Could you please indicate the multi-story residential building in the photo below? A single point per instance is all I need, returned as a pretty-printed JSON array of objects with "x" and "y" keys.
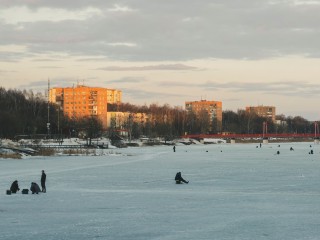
[
  {"x": 213, "y": 108},
  {"x": 263, "y": 111},
  {"x": 82, "y": 101}
]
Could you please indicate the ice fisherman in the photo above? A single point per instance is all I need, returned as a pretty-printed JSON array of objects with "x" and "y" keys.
[
  {"x": 35, "y": 188},
  {"x": 43, "y": 181},
  {"x": 14, "y": 186},
  {"x": 179, "y": 178},
  {"x": 174, "y": 148}
]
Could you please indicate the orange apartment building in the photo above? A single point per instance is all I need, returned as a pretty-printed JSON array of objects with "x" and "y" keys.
[
  {"x": 83, "y": 101},
  {"x": 263, "y": 111},
  {"x": 214, "y": 109}
]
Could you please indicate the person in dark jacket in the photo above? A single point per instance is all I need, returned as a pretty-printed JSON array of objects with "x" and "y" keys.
[
  {"x": 43, "y": 181},
  {"x": 179, "y": 178},
  {"x": 14, "y": 187},
  {"x": 35, "y": 188}
]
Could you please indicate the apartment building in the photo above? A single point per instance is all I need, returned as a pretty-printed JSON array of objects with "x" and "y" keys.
[
  {"x": 214, "y": 109},
  {"x": 263, "y": 111},
  {"x": 83, "y": 101}
]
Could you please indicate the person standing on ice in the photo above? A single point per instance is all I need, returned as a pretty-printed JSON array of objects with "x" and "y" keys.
[
  {"x": 174, "y": 148},
  {"x": 14, "y": 187},
  {"x": 179, "y": 179},
  {"x": 43, "y": 181}
]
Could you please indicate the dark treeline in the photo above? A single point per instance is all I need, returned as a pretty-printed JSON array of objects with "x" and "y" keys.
[
  {"x": 242, "y": 122},
  {"x": 26, "y": 113},
  {"x": 171, "y": 122},
  {"x": 22, "y": 113}
]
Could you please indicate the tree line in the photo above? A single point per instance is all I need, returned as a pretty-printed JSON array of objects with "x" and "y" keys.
[
  {"x": 26, "y": 113},
  {"x": 167, "y": 121}
]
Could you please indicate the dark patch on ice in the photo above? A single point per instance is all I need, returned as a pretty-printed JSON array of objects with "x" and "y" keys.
[
  {"x": 106, "y": 208},
  {"x": 98, "y": 236}
]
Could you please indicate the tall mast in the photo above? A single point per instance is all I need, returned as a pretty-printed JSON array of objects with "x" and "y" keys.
[{"x": 48, "y": 122}]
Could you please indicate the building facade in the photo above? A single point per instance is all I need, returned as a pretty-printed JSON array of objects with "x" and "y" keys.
[
  {"x": 122, "y": 121},
  {"x": 83, "y": 101},
  {"x": 263, "y": 111},
  {"x": 213, "y": 108}
]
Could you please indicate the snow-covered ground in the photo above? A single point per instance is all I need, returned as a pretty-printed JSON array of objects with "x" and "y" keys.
[{"x": 236, "y": 191}]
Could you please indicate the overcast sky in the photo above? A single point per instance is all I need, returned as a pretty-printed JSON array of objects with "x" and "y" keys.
[{"x": 240, "y": 52}]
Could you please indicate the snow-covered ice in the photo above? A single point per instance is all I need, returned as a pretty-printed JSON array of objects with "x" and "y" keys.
[{"x": 236, "y": 191}]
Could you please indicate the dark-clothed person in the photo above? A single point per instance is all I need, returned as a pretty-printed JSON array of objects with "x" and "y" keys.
[
  {"x": 14, "y": 187},
  {"x": 43, "y": 181},
  {"x": 179, "y": 178},
  {"x": 35, "y": 188}
]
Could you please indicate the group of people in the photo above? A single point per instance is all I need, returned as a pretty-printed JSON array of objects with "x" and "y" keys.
[
  {"x": 34, "y": 186},
  {"x": 36, "y": 189}
]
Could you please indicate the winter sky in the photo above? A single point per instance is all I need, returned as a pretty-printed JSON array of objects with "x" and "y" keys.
[{"x": 240, "y": 52}]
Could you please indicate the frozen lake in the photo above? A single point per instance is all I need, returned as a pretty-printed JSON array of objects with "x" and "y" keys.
[{"x": 236, "y": 191}]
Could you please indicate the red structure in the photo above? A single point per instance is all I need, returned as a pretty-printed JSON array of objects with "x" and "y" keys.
[
  {"x": 265, "y": 129},
  {"x": 262, "y": 135},
  {"x": 267, "y": 135}
]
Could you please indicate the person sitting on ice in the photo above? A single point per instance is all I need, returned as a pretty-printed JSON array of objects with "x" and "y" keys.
[
  {"x": 14, "y": 187},
  {"x": 35, "y": 188},
  {"x": 179, "y": 178}
]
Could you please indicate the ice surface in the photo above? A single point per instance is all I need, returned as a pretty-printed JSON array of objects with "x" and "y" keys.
[{"x": 236, "y": 191}]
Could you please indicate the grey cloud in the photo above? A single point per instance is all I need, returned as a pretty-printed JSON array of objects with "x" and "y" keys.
[
  {"x": 36, "y": 85},
  {"x": 11, "y": 57},
  {"x": 75, "y": 4},
  {"x": 278, "y": 88},
  {"x": 161, "y": 67},
  {"x": 147, "y": 95},
  {"x": 45, "y": 60},
  {"x": 127, "y": 80},
  {"x": 92, "y": 59},
  {"x": 159, "y": 31},
  {"x": 43, "y": 84},
  {"x": 50, "y": 67},
  {"x": 176, "y": 84},
  {"x": 5, "y": 71}
]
